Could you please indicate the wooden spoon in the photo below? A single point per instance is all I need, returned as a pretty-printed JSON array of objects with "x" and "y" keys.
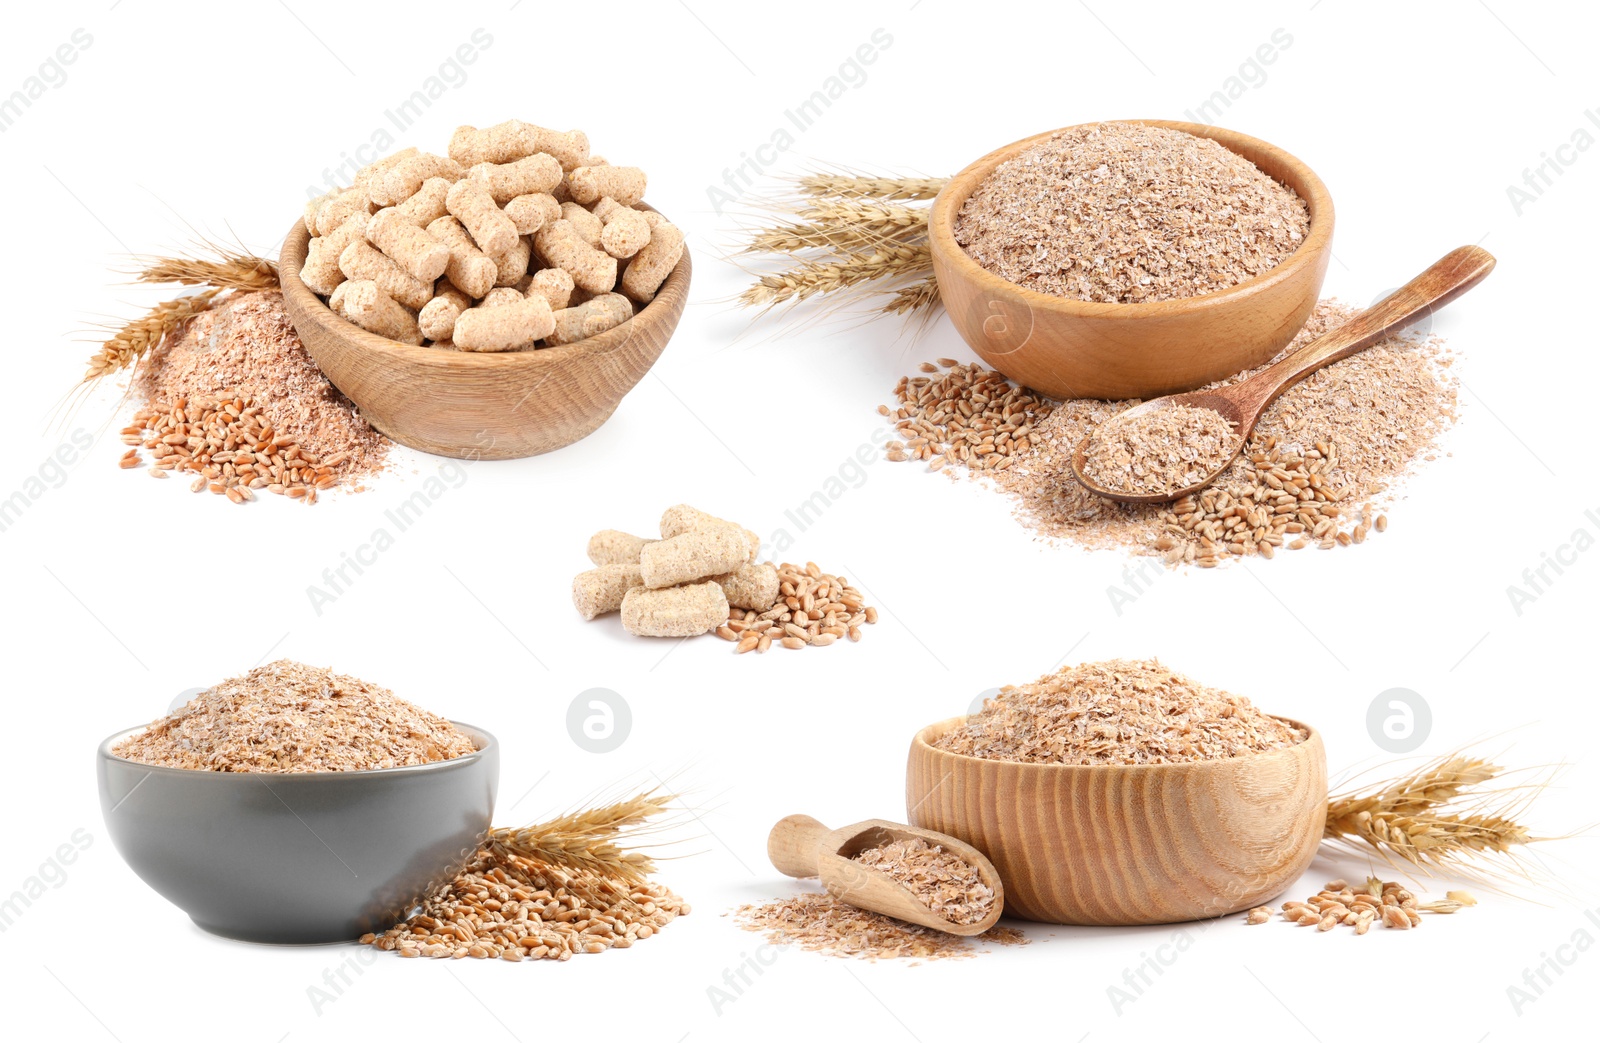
[
  {"x": 1243, "y": 403},
  {"x": 802, "y": 847}
]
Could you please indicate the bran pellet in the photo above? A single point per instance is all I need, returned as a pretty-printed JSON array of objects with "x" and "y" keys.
[
  {"x": 601, "y": 589},
  {"x": 682, "y": 611}
]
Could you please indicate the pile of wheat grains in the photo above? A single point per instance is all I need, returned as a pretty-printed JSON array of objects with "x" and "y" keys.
[
  {"x": 1320, "y": 462},
  {"x": 1127, "y": 213},
  {"x": 941, "y": 880},
  {"x": 289, "y": 717},
  {"x": 233, "y": 399},
  {"x": 822, "y": 923},
  {"x": 502, "y": 906},
  {"x": 1377, "y": 901},
  {"x": 1117, "y": 712}
]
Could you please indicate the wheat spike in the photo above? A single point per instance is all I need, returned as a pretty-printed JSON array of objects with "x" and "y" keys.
[
  {"x": 129, "y": 344},
  {"x": 909, "y": 300},
  {"x": 586, "y": 840},
  {"x": 1435, "y": 816},
  {"x": 230, "y": 270},
  {"x": 843, "y": 228},
  {"x": 811, "y": 278},
  {"x": 855, "y": 187},
  {"x": 226, "y": 270}
]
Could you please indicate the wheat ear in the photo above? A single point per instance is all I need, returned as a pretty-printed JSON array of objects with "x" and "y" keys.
[
  {"x": 587, "y": 840},
  {"x": 851, "y": 186},
  {"x": 1438, "y": 815},
  {"x": 226, "y": 270}
]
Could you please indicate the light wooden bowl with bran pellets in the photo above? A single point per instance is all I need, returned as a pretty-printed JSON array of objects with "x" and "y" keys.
[
  {"x": 1113, "y": 844},
  {"x": 1067, "y": 348},
  {"x": 481, "y": 405}
]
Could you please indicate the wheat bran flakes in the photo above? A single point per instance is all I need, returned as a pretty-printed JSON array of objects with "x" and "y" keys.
[
  {"x": 289, "y": 717},
  {"x": 941, "y": 880},
  {"x": 1127, "y": 213},
  {"x": 1117, "y": 712}
]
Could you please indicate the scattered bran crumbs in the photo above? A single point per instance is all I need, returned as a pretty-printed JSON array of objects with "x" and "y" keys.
[
  {"x": 1126, "y": 213},
  {"x": 822, "y": 923},
  {"x": 289, "y": 717},
  {"x": 1117, "y": 712},
  {"x": 944, "y": 882}
]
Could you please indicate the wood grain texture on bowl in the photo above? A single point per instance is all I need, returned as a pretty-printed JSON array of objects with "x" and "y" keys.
[
  {"x": 475, "y": 405},
  {"x": 1128, "y": 844},
  {"x": 1068, "y": 348}
]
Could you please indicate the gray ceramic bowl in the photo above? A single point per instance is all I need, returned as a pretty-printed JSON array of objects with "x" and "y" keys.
[{"x": 297, "y": 858}]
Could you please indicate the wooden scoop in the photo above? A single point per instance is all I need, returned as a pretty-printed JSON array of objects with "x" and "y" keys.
[
  {"x": 802, "y": 847},
  {"x": 1243, "y": 403}
]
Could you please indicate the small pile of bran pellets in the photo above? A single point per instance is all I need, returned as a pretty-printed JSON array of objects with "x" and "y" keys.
[
  {"x": 702, "y": 577},
  {"x": 233, "y": 399},
  {"x": 818, "y": 922},
  {"x": 1313, "y": 474}
]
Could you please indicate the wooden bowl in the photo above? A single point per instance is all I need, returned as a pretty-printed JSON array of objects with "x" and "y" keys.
[
  {"x": 1128, "y": 844},
  {"x": 480, "y": 405},
  {"x": 1069, "y": 348}
]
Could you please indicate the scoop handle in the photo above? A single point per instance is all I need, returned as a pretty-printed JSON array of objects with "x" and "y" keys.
[
  {"x": 1442, "y": 282},
  {"x": 794, "y": 844}
]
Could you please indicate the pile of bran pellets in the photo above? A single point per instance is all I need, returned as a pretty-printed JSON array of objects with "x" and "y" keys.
[
  {"x": 1315, "y": 472},
  {"x": 702, "y": 577},
  {"x": 233, "y": 400}
]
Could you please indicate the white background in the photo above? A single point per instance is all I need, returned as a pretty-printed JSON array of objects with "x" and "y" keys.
[{"x": 121, "y": 591}]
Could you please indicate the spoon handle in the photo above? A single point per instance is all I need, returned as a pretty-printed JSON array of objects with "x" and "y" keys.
[
  {"x": 794, "y": 844},
  {"x": 1446, "y": 279}
]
